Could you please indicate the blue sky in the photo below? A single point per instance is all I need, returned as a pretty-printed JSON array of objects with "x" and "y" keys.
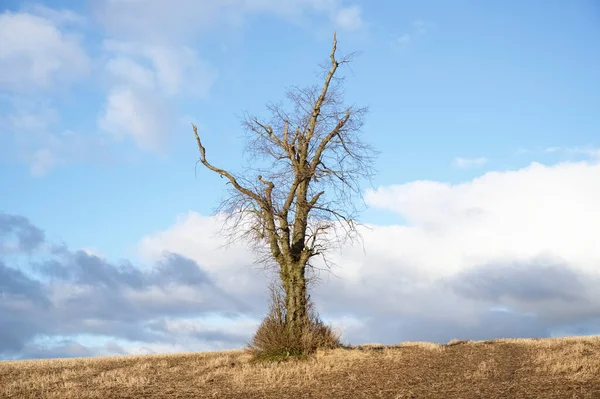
[{"x": 96, "y": 101}]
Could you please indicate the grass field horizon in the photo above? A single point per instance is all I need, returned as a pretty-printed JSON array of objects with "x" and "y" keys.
[{"x": 567, "y": 367}]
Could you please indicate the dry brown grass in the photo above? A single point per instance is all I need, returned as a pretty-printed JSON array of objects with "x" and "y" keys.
[
  {"x": 508, "y": 368},
  {"x": 273, "y": 341}
]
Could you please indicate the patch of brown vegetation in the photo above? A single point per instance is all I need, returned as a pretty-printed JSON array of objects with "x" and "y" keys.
[
  {"x": 509, "y": 368},
  {"x": 273, "y": 341}
]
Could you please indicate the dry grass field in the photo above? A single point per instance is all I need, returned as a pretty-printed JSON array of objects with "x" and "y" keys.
[{"x": 506, "y": 368}]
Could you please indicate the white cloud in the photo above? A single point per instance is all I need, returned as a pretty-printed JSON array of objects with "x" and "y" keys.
[
  {"x": 349, "y": 18},
  {"x": 30, "y": 125},
  {"x": 42, "y": 161},
  {"x": 27, "y": 114},
  {"x": 37, "y": 53},
  {"x": 517, "y": 214},
  {"x": 181, "y": 70},
  {"x": 181, "y": 19},
  {"x": 469, "y": 162},
  {"x": 524, "y": 241},
  {"x": 127, "y": 71},
  {"x": 171, "y": 69},
  {"x": 404, "y": 39},
  {"x": 419, "y": 27},
  {"x": 589, "y": 151},
  {"x": 137, "y": 114},
  {"x": 145, "y": 78},
  {"x": 552, "y": 149},
  {"x": 58, "y": 17},
  {"x": 45, "y": 151}
]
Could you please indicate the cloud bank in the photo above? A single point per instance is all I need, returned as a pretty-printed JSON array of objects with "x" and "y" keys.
[{"x": 507, "y": 254}]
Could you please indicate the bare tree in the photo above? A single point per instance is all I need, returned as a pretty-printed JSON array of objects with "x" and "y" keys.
[{"x": 298, "y": 195}]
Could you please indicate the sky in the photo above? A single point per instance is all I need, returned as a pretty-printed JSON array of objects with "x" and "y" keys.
[{"x": 480, "y": 223}]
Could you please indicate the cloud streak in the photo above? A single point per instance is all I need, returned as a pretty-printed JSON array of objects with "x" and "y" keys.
[
  {"x": 419, "y": 27},
  {"x": 183, "y": 19},
  {"x": 464, "y": 163}
]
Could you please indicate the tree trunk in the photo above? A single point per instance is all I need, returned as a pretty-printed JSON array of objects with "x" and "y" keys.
[{"x": 295, "y": 300}]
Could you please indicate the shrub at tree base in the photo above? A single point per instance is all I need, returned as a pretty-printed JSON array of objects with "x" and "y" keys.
[{"x": 273, "y": 341}]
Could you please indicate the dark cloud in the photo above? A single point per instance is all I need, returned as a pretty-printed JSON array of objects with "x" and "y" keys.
[
  {"x": 11, "y": 340},
  {"x": 17, "y": 234},
  {"x": 16, "y": 284},
  {"x": 74, "y": 293},
  {"x": 516, "y": 299},
  {"x": 22, "y": 298},
  {"x": 549, "y": 289},
  {"x": 64, "y": 348},
  {"x": 82, "y": 268},
  {"x": 433, "y": 328},
  {"x": 538, "y": 280},
  {"x": 178, "y": 269}
]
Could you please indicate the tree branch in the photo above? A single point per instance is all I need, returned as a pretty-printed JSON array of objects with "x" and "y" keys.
[
  {"x": 316, "y": 111},
  {"x": 335, "y": 131},
  {"x": 223, "y": 172}
]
